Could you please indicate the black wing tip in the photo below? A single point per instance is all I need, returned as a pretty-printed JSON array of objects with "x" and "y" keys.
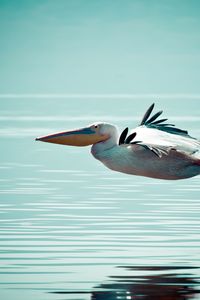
[
  {"x": 152, "y": 105},
  {"x": 152, "y": 122},
  {"x": 147, "y": 119},
  {"x": 123, "y": 136},
  {"x": 147, "y": 114},
  {"x": 130, "y": 137}
]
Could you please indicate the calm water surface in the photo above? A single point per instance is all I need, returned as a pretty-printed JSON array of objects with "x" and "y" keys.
[{"x": 71, "y": 229}]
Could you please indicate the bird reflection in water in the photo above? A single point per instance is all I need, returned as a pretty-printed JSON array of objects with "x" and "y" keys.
[
  {"x": 146, "y": 283},
  {"x": 167, "y": 284}
]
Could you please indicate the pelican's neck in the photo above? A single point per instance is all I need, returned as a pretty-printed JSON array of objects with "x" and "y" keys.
[{"x": 105, "y": 145}]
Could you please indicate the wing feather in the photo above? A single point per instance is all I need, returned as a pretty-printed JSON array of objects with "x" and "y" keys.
[
  {"x": 153, "y": 123},
  {"x": 130, "y": 138},
  {"x": 123, "y": 136},
  {"x": 156, "y": 149},
  {"x": 154, "y": 117},
  {"x": 159, "y": 137},
  {"x": 147, "y": 114}
]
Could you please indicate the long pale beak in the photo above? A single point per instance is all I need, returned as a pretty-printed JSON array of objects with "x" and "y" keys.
[{"x": 79, "y": 137}]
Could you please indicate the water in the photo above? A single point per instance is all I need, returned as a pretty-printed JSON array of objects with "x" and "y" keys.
[{"x": 72, "y": 229}]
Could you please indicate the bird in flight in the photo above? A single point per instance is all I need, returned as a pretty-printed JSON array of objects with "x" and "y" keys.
[{"x": 153, "y": 149}]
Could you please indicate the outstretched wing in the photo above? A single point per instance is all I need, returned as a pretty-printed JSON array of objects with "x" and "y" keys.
[
  {"x": 154, "y": 122},
  {"x": 159, "y": 137}
]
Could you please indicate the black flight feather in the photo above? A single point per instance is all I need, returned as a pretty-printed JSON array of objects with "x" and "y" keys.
[
  {"x": 154, "y": 117},
  {"x": 123, "y": 136},
  {"x": 165, "y": 124},
  {"x": 130, "y": 138},
  {"x": 147, "y": 114},
  {"x": 175, "y": 131},
  {"x": 159, "y": 121},
  {"x": 135, "y": 142},
  {"x": 158, "y": 124}
]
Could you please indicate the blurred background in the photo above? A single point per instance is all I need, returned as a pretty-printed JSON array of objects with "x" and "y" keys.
[{"x": 106, "y": 47}]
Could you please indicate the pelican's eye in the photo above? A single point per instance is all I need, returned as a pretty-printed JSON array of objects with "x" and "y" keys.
[{"x": 96, "y": 126}]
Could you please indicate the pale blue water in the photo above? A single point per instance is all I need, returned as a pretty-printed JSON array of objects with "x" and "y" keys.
[{"x": 72, "y": 229}]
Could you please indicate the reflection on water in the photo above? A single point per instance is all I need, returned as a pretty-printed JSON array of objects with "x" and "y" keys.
[
  {"x": 153, "y": 283},
  {"x": 66, "y": 222}
]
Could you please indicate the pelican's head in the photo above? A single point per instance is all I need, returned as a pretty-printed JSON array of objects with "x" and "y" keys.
[{"x": 92, "y": 134}]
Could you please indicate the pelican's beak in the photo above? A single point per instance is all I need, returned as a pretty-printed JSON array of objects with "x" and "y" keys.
[{"x": 79, "y": 137}]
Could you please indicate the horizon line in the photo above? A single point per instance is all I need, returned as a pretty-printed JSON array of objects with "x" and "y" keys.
[{"x": 108, "y": 95}]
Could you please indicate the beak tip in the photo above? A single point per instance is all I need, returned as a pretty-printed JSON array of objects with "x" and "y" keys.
[{"x": 37, "y": 139}]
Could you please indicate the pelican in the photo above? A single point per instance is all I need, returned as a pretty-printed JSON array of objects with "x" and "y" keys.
[{"x": 154, "y": 149}]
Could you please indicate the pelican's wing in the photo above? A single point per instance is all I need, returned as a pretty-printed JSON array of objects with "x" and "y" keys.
[
  {"x": 154, "y": 122},
  {"x": 161, "y": 143},
  {"x": 159, "y": 137},
  {"x": 158, "y": 148}
]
